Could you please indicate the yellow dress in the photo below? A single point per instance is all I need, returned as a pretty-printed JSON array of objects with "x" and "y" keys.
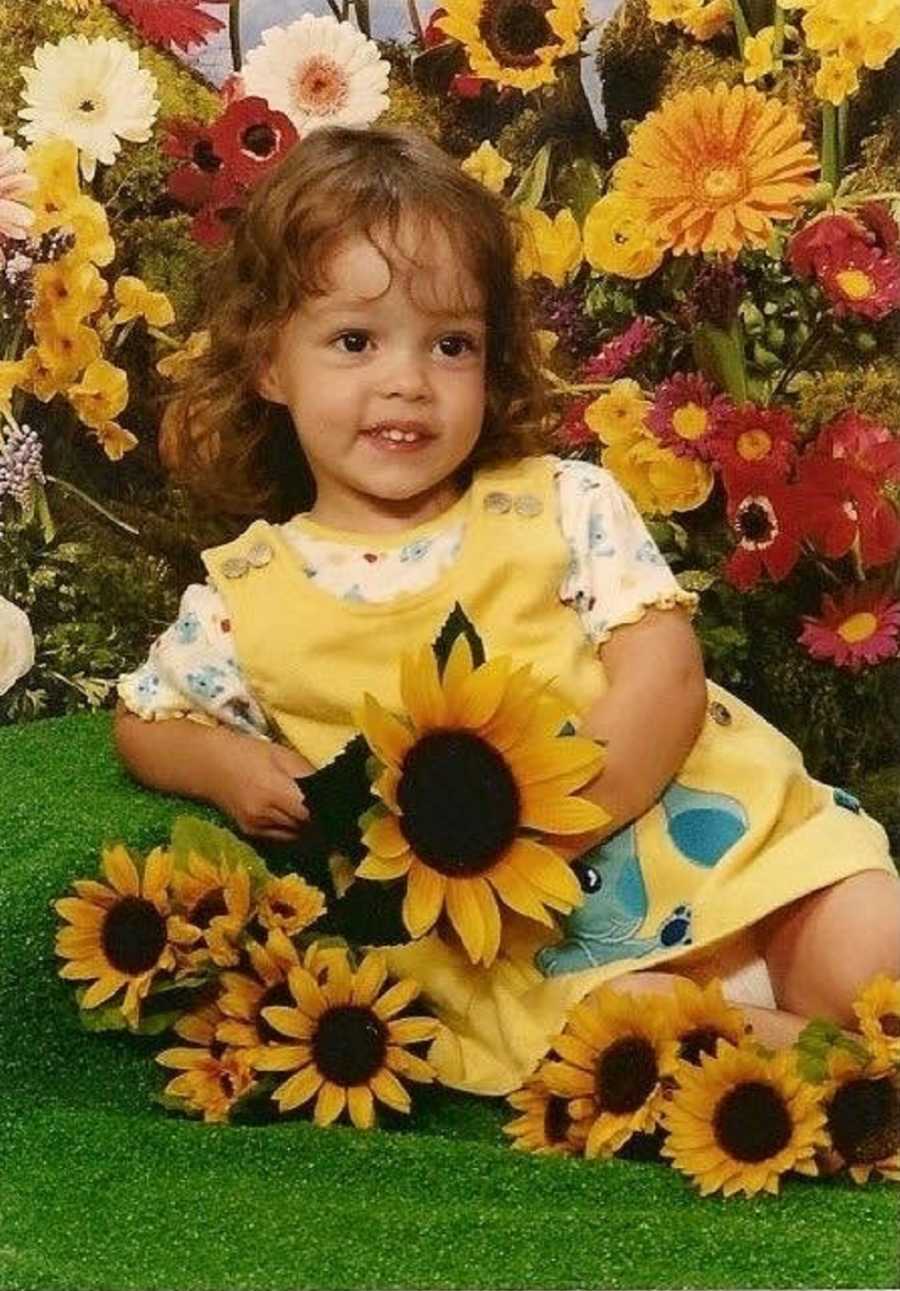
[{"x": 740, "y": 831}]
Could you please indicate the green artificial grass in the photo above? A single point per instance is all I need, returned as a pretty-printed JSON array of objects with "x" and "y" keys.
[{"x": 102, "y": 1189}]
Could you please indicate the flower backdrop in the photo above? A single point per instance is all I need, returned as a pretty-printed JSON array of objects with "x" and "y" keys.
[{"x": 711, "y": 189}]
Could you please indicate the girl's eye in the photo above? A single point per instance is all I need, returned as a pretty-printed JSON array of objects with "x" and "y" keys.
[
  {"x": 355, "y": 341},
  {"x": 458, "y": 345}
]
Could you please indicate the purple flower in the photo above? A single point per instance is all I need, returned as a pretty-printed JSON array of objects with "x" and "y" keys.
[{"x": 20, "y": 465}]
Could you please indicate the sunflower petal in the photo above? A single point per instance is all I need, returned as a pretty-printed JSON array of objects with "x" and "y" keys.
[
  {"x": 413, "y": 1030},
  {"x": 423, "y": 899},
  {"x": 386, "y": 735},
  {"x": 102, "y": 989},
  {"x": 80, "y": 914},
  {"x": 370, "y": 977},
  {"x": 420, "y": 690},
  {"x": 330, "y": 1103},
  {"x": 281, "y": 1057},
  {"x": 361, "y": 1106},
  {"x": 396, "y": 999},
  {"x": 119, "y": 868},
  {"x": 409, "y": 1065},
  {"x": 289, "y": 1022},
  {"x": 387, "y": 1087},
  {"x": 298, "y": 1089},
  {"x": 385, "y": 838},
  {"x": 379, "y": 867}
]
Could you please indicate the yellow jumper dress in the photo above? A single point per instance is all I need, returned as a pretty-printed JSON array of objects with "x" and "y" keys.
[{"x": 741, "y": 830}]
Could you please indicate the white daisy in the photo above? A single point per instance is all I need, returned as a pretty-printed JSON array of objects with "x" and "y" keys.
[
  {"x": 318, "y": 71},
  {"x": 93, "y": 92},
  {"x": 15, "y": 184}
]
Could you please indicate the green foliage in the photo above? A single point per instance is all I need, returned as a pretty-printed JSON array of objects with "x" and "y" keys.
[
  {"x": 692, "y": 65},
  {"x": 873, "y": 390}
]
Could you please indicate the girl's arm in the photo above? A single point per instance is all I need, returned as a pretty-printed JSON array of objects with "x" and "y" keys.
[
  {"x": 251, "y": 780},
  {"x": 649, "y": 718}
]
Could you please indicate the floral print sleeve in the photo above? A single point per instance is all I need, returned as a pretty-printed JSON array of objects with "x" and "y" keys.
[
  {"x": 616, "y": 571},
  {"x": 191, "y": 671}
]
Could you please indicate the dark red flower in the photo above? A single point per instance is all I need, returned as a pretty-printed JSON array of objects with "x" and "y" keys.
[
  {"x": 466, "y": 86},
  {"x": 171, "y": 22},
  {"x": 193, "y": 183},
  {"x": 616, "y": 355},
  {"x": 250, "y": 138},
  {"x": 432, "y": 35},
  {"x": 860, "y": 280},
  {"x": 864, "y": 444},
  {"x": 214, "y": 223},
  {"x": 765, "y": 514},
  {"x": 878, "y": 219},
  {"x": 823, "y": 236},
  {"x": 573, "y": 431},
  {"x": 844, "y": 508},
  {"x": 752, "y": 438}
]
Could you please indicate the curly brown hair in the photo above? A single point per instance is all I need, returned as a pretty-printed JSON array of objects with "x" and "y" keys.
[{"x": 239, "y": 454}]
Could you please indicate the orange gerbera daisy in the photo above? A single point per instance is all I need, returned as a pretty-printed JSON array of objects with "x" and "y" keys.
[
  {"x": 479, "y": 760},
  {"x": 122, "y": 934},
  {"x": 716, "y": 167}
]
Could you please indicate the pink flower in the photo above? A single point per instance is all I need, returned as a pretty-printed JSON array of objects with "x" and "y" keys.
[
  {"x": 855, "y": 629},
  {"x": 860, "y": 280},
  {"x": 15, "y": 185},
  {"x": 617, "y": 355},
  {"x": 687, "y": 414}
]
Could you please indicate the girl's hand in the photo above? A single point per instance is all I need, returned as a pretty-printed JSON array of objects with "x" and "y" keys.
[{"x": 253, "y": 782}]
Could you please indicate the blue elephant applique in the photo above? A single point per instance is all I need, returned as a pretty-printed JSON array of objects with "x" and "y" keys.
[{"x": 701, "y": 824}]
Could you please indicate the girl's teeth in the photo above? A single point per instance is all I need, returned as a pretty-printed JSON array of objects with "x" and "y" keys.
[{"x": 400, "y": 436}]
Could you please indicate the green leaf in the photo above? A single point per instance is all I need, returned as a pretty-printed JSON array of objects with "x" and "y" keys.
[
  {"x": 719, "y": 354},
  {"x": 813, "y": 1045},
  {"x": 457, "y": 622},
  {"x": 695, "y": 580},
  {"x": 106, "y": 1017},
  {"x": 530, "y": 188},
  {"x": 338, "y": 794},
  {"x": 579, "y": 185},
  {"x": 215, "y": 843}
]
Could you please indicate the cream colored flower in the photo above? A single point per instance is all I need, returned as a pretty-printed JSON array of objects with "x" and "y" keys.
[
  {"x": 487, "y": 166},
  {"x": 16, "y": 645}
]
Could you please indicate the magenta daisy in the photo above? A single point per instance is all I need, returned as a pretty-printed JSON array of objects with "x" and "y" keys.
[
  {"x": 616, "y": 356},
  {"x": 753, "y": 438},
  {"x": 854, "y": 630},
  {"x": 686, "y": 415},
  {"x": 861, "y": 281}
]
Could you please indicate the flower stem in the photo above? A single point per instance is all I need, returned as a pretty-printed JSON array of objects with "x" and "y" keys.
[
  {"x": 812, "y": 342},
  {"x": 234, "y": 33},
  {"x": 830, "y": 149},
  {"x": 778, "y": 37},
  {"x": 741, "y": 27},
  {"x": 416, "y": 22},
  {"x": 157, "y": 335},
  {"x": 88, "y": 501},
  {"x": 363, "y": 21}
]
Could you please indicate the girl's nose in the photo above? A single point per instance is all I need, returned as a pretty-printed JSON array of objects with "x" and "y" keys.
[{"x": 405, "y": 376}]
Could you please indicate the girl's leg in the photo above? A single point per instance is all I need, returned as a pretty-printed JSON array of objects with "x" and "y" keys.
[{"x": 822, "y": 949}]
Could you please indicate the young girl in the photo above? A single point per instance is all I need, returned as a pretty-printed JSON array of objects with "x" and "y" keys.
[{"x": 372, "y": 388}]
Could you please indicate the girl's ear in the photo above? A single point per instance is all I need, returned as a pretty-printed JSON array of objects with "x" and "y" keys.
[{"x": 268, "y": 384}]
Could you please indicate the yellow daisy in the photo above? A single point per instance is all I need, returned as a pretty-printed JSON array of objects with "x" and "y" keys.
[
  {"x": 214, "y": 1077},
  {"x": 544, "y": 1124},
  {"x": 215, "y": 902},
  {"x": 121, "y": 934},
  {"x": 716, "y": 167},
  {"x": 289, "y": 903},
  {"x": 741, "y": 1120},
  {"x": 477, "y": 761},
  {"x": 345, "y": 1044},
  {"x": 862, "y": 1106},
  {"x": 701, "y": 1017},
  {"x": 616, "y": 1057},
  {"x": 515, "y": 42},
  {"x": 618, "y": 237},
  {"x": 878, "y": 1010}
]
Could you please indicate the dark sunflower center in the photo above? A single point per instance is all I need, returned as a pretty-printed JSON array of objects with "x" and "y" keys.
[
  {"x": 277, "y": 996},
  {"x": 755, "y": 523},
  {"x": 752, "y": 1122},
  {"x": 204, "y": 157},
  {"x": 134, "y": 935},
  {"x": 282, "y": 908},
  {"x": 260, "y": 139},
  {"x": 556, "y": 1119},
  {"x": 890, "y": 1024},
  {"x": 626, "y": 1074},
  {"x": 208, "y": 908},
  {"x": 227, "y": 1084},
  {"x": 864, "y": 1120},
  {"x": 459, "y": 800},
  {"x": 350, "y": 1044},
  {"x": 694, "y": 1043},
  {"x": 514, "y": 29}
]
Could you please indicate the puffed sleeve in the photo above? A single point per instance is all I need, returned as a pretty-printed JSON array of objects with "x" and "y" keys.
[
  {"x": 616, "y": 571},
  {"x": 191, "y": 671}
]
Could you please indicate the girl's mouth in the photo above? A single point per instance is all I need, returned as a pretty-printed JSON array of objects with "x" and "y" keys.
[{"x": 397, "y": 438}]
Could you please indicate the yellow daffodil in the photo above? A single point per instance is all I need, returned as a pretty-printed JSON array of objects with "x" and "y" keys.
[
  {"x": 618, "y": 416},
  {"x": 549, "y": 247},
  {"x": 67, "y": 348},
  {"x": 487, "y": 166},
  {"x": 836, "y": 79},
  {"x": 176, "y": 365},
  {"x": 39, "y": 378},
  {"x": 136, "y": 300},
  {"x": 658, "y": 480},
  {"x": 70, "y": 288},
  {"x": 115, "y": 440},
  {"x": 759, "y": 56},
  {"x": 514, "y": 42},
  {"x": 618, "y": 237},
  {"x": 101, "y": 394}
]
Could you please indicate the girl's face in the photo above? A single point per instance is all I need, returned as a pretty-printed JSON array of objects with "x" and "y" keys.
[{"x": 384, "y": 352}]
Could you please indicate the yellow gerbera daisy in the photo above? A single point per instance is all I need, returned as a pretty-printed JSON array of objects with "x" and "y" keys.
[
  {"x": 289, "y": 903},
  {"x": 515, "y": 42},
  {"x": 122, "y": 934},
  {"x": 741, "y": 1120},
  {"x": 345, "y": 1043},
  {"x": 616, "y": 1053},
  {"x": 214, "y": 1077},
  {"x": 716, "y": 167},
  {"x": 545, "y": 1123},
  {"x": 878, "y": 1010},
  {"x": 862, "y": 1106},
  {"x": 479, "y": 761},
  {"x": 214, "y": 901},
  {"x": 701, "y": 1017}
]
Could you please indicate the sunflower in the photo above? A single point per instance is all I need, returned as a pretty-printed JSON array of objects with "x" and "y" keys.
[
  {"x": 243, "y": 997},
  {"x": 544, "y": 1124},
  {"x": 716, "y": 167},
  {"x": 701, "y": 1017},
  {"x": 617, "y": 1053},
  {"x": 862, "y": 1105},
  {"x": 120, "y": 935},
  {"x": 289, "y": 903},
  {"x": 479, "y": 761},
  {"x": 213, "y": 1077},
  {"x": 741, "y": 1119},
  {"x": 215, "y": 901},
  {"x": 514, "y": 42},
  {"x": 878, "y": 1010},
  {"x": 345, "y": 1043}
]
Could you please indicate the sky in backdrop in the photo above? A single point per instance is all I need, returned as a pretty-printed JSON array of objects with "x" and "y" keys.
[{"x": 390, "y": 21}]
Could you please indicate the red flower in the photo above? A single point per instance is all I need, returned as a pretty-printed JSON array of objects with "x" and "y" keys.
[
  {"x": 860, "y": 280},
  {"x": 865, "y": 445},
  {"x": 214, "y": 223},
  {"x": 843, "y": 508},
  {"x": 251, "y": 138},
  {"x": 878, "y": 219},
  {"x": 573, "y": 431},
  {"x": 466, "y": 86},
  {"x": 193, "y": 183},
  {"x": 171, "y": 22},
  {"x": 686, "y": 415},
  {"x": 616, "y": 355},
  {"x": 827, "y": 234},
  {"x": 764, "y": 512},
  {"x": 753, "y": 438},
  {"x": 433, "y": 35},
  {"x": 858, "y": 628}
]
